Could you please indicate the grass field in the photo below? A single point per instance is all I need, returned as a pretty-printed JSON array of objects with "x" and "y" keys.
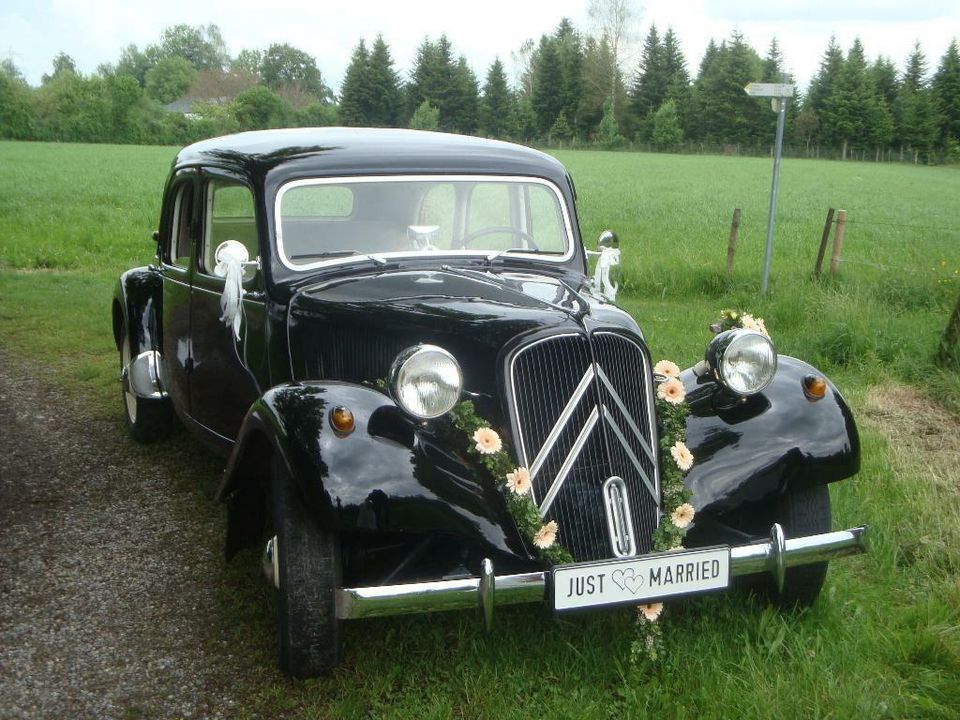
[{"x": 883, "y": 641}]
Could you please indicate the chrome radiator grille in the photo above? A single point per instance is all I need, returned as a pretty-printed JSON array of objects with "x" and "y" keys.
[{"x": 582, "y": 410}]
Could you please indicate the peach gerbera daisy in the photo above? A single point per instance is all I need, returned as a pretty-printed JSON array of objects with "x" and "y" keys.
[
  {"x": 667, "y": 369},
  {"x": 672, "y": 391},
  {"x": 519, "y": 481},
  {"x": 650, "y": 611},
  {"x": 682, "y": 455},
  {"x": 546, "y": 535},
  {"x": 683, "y": 515},
  {"x": 487, "y": 441}
]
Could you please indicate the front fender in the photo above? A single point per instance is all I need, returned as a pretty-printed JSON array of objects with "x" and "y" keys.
[
  {"x": 137, "y": 306},
  {"x": 767, "y": 444},
  {"x": 388, "y": 475}
]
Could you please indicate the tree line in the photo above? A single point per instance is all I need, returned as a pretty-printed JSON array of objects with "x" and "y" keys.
[{"x": 571, "y": 87}]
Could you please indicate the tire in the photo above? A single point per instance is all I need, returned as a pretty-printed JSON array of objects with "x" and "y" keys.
[
  {"x": 148, "y": 420},
  {"x": 309, "y": 567},
  {"x": 802, "y": 512}
]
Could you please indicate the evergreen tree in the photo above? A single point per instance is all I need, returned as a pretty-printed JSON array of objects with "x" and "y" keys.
[
  {"x": 609, "y": 130},
  {"x": 434, "y": 78},
  {"x": 426, "y": 117},
  {"x": 729, "y": 114},
  {"x": 678, "y": 79},
  {"x": 916, "y": 114},
  {"x": 570, "y": 59},
  {"x": 852, "y": 104},
  {"x": 386, "y": 99},
  {"x": 560, "y": 130},
  {"x": 650, "y": 84},
  {"x": 356, "y": 99},
  {"x": 667, "y": 133},
  {"x": 821, "y": 87},
  {"x": 463, "y": 110},
  {"x": 546, "y": 100},
  {"x": 946, "y": 94},
  {"x": 497, "y": 111}
]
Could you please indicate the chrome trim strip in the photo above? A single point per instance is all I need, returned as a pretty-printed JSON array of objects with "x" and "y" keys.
[
  {"x": 564, "y": 210},
  {"x": 647, "y": 368},
  {"x": 778, "y": 561},
  {"x": 512, "y": 398},
  {"x": 568, "y": 462},
  {"x": 487, "y": 589},
  {"x": 354, "y": 603},
  {"x": 561, "y": 423},
  {"x": 616, "y": 503},
  {"x": 626, "y": 413},
  {"x": 630, "y": 454}
]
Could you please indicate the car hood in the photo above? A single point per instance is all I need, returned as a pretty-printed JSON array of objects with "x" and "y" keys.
[{"x": 351, "y": 329}]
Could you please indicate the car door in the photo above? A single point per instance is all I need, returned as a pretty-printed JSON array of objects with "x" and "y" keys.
[
  {"x": 226, "y": 371},
  {"x": 177, "y": 243}
]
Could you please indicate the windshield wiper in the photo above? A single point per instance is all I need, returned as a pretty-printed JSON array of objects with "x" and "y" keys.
[
  {"x": 529, "y": 251},
  {"x": 339, "y": 253}
]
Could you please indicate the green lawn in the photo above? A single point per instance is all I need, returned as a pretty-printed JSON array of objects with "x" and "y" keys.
[{"x": 883, "y": 641}]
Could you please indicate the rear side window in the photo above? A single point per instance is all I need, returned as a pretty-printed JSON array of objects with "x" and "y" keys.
[
  {"x": 229, "y": 216},
  {"x": 178, "y": 251}
]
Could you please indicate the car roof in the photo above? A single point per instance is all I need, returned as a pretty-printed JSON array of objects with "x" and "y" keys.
[{"x": 333, "y": 151}]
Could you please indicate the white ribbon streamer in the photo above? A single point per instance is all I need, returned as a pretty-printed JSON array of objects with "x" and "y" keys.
[
  {"x": 609, "y": 258},
  {"x": 230, "y": 301}
]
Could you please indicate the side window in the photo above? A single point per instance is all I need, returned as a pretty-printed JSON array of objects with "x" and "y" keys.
[
  {"x": 178, "y": 250},
  {"x": 229, "y": 216}
]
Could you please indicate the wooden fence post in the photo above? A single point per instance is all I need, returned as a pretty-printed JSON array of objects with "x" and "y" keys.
[
  {"x": 827, "y": 225},
  {"x": 838, "y": 241},
  {"x": 951, "y": 337},
  {"x": 732, "y": 242}
]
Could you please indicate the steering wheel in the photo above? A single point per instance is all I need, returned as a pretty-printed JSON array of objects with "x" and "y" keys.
[{"x": 522, "y": 234}]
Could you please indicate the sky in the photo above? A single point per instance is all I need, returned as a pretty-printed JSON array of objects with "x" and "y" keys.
[{"x": 32, "y": 32}]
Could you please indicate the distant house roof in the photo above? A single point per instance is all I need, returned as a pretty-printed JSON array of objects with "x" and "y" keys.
[{"x": 185, "y": 105}]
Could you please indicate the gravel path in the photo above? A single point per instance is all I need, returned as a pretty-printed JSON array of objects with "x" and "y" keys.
[{"x": 108, "y": 581}]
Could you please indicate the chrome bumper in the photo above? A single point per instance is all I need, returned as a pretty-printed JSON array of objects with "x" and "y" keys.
[{"x": 489, "y": 590}]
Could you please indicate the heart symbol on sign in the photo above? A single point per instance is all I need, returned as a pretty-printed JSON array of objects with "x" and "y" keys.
[{"x": 627, "y": 580}]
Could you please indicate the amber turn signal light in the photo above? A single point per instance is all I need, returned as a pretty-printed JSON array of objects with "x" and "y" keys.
[
  {"x": 341, "y": 419},
  {"x": 814, "y": 387}
]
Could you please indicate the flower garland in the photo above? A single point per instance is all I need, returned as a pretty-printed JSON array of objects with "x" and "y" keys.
[
  {"x": 676, "y": 511},
  {"x": 731, "y": 319},
  {"x": 486, "y": 445}
]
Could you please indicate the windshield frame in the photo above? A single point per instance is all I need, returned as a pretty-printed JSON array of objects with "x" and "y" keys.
[{"x": 420, "y": 254}]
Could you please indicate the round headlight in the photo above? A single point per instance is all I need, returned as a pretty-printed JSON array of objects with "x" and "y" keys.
[
  {"x": 745, "y": 361},
  {"x": 426, "y": 381}
]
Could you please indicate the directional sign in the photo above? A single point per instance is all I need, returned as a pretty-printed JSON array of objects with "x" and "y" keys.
[{"x": 774, "y": 90}]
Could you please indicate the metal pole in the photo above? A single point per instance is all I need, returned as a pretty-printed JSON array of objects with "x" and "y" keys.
[{"x": 781, "y": 115}]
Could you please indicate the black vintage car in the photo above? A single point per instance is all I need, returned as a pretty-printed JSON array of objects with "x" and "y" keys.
[{"x": 323, "y": 299}]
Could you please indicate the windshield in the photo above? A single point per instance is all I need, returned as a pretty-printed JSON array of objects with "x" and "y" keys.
[{"x": 327, "y": 221}]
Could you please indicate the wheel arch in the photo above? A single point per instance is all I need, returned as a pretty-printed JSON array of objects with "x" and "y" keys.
[{"x": 388, "y": 475}]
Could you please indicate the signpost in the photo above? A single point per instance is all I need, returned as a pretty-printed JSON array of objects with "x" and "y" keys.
[{"x": 779, "y": 92}]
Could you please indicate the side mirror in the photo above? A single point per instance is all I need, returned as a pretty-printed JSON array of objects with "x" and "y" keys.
[
  {"x": 229, "y": 251},
  {"x": 155, "y": 235}
]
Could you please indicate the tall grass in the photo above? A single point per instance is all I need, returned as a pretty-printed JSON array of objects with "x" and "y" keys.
[{"x": 883, "y": 641}]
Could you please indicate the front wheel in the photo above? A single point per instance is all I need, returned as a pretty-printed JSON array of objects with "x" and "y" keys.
[
  {"x": 802, "y": 512},
  {"x": 308, "y": 561}
]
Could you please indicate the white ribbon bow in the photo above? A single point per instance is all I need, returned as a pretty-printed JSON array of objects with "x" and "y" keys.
[{"x": 232, "y": 270}]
